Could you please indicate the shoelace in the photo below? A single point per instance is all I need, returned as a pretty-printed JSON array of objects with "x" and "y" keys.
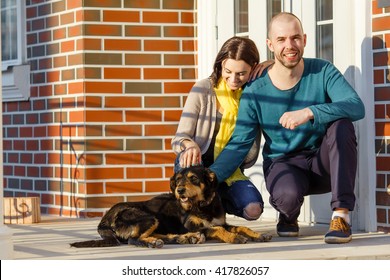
[{"x": 338, "y": 224}]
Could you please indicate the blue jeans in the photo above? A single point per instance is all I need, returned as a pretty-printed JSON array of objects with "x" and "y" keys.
[{"x": 235, "y": 197}]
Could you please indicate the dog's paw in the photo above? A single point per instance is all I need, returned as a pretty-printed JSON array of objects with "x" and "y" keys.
[
  {"x": 192, "y": 238},
  {"x": 264, "y": 237},
  {"x": 157, "y": 243},
  {"x": 240, "y": 239}
]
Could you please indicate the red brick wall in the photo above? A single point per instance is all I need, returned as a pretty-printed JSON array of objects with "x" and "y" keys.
[
  {"x": 381, "y": 60},
  {"x": 108, "y": 80}
]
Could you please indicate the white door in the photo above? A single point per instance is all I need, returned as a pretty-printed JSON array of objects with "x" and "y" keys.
[{"x": 334, "y": 31}]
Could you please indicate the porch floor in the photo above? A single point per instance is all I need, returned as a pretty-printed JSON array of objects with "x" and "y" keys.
[{"x": 49, "y": 240}]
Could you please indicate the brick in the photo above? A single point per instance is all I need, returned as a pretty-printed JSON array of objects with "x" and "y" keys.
[
  {"x": 103, "y": 58},
  {"x": 142, "y": 87},
  {"x": 92, "y": 130},
  {"x": 142, "y": 31},
  {"x": 143, "y": 144},
  {"x": 381, "y": 58},
  {"x": 102, "y": 202},
  {"x": 105, "y": 173},
  {"x": 382, "y": 198},
  {"x": 143, "y": 116},
  {"x": 159, "y": 158},
  {"x": 160, "y": 130},
  {"x": 122, "y": 45},
  {"x": 123, "y": 187},
  {"x": 121, "y": 16},
  {"x": 89, "y": 44},
  {"x": 123, "y": 130},
  {"x": 143, "y": 172},
  {"x": 179, "y": 31},
  {"x": 190, "y": 46},
  {"x": 188, "y": 17},
  {"x": 75, "y": 31},
  {"x": 380, "y": 24},
  {"x": 160, "y": 17},
  {"x": 106, "y": 116},
  {"x": 159, "y": 74},
  {"x": 179, "y": 59},
  {"x": 157, "y": 186},
  {"x": 382, "y": 163},
  {"x": 161, "y": 45},
  {"x": 104, "y": 145},
  {"x": 89, "y": 73},
  {"x": 377, "y": 42},
  {"x": 122, "y": 73},
  {"x": 123, "y": 158},
  {"x": 162, "y": 102},
  {"x": 102, "y": 30},
  {"x": 182, "y": 5},
  {"x": 177, "y": 87},
  {"x": 382, "y": 93},
  {"x": 379, "y": 76},
  {"x": 143, "y": 59},
  {"x": 103, "y": 87},
  {"x": 67, "y": 18},
  {"x": 91, "y": 15},
  {"x": 189, "y": 73},
  {"x": 172, "y": 115},
  {"x": 375, "y": 8},
  {"x": 102, "y": 4},
  {"x": 382, "y": 128},
  {"x": 95, "y": 188},
  {"x": 143, "y": 4},
  {"x": 93, "y": 159},
  {"x": 123, "y": 102}
]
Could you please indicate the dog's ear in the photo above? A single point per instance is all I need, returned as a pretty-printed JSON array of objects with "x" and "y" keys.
[
  {"x": 212, "y": 178},
  {"x": 210, "y": 191},
  {"x": 173, "y": 183}
]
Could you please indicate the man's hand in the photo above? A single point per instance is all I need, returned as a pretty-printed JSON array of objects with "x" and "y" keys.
[{"x": 293, "y": 119}]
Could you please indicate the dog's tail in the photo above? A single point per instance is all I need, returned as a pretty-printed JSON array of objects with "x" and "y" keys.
[{"x": 96, "y": 243}]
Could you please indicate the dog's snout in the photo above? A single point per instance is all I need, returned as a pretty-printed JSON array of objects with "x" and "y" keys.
[{"x": 181, "y": 190}]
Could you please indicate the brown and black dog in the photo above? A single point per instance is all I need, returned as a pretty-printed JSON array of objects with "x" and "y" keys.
[{"x": 191, "y": 214}]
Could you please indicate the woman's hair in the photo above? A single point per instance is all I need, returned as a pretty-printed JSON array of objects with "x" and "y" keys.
[{"x": 237, "y": 48}]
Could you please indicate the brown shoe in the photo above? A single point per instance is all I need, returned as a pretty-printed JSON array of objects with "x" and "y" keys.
[{"x": 339, "y": 232}]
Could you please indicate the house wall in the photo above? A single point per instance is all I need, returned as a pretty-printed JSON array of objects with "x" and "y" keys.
[
  {"x": 108, "y": 81},
  {"x": 381, "y": 66}
]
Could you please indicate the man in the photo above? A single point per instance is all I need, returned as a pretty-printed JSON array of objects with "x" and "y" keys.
[{"x": 305, "y": 109}]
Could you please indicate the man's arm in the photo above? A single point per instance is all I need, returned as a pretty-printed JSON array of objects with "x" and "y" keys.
[{"x": 241, "y": 141}]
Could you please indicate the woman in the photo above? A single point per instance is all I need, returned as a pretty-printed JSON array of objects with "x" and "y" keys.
[{"x": 208, "y": 121}]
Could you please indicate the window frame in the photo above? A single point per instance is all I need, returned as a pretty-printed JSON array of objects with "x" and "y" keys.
[{"x": 16, "y": 72}]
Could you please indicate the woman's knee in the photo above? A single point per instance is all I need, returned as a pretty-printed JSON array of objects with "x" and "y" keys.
[{"x": 253, "y": 211}]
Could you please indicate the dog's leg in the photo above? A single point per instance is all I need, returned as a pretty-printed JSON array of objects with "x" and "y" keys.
[
  {"x": 247, "y": 232},
  {"x": 187, "y": 238},
  {"x": 221, "y": 234}
]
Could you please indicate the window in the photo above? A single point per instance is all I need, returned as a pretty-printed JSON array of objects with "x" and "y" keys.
[
  {"x": 324, "y": 32},
  {"x": 274, "y": 7},
  {"x": 15, "y": 73},
  {"x": 241, "y": 26}
]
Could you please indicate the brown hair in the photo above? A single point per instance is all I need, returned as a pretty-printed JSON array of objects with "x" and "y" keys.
[{"x": 237, "y": 48}]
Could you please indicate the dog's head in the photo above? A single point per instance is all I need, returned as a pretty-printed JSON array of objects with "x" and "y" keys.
[{"x": 194, "y": 187}]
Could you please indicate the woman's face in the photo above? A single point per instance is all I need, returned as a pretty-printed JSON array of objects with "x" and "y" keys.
[{"x": 235, "y": 73}]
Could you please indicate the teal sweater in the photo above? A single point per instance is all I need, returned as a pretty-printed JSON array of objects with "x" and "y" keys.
[{"x": 322, "y": 88}]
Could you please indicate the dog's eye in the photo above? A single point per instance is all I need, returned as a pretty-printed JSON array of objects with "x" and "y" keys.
[{"x": 194, "y": 179}]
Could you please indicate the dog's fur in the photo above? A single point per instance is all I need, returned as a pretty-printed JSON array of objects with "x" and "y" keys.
[{"x": 190, "y": 214}]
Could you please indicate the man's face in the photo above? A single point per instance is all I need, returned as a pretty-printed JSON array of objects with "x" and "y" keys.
[{"x": 287, "y": 41}]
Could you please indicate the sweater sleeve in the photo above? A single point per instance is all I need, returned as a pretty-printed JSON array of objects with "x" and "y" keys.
[
  {"x": 345, "y": 102},
  {"x": 240, "y": 143},
  {"x": 188, "y": 120}
]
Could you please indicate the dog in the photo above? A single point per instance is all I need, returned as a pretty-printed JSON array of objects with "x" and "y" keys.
[{"x": 190, "y": 214}]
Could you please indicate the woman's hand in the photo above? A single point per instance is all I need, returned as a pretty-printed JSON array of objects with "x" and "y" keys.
[
  {"x": 259, "y": 68},
  {"x": 191, "y": 156}
]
